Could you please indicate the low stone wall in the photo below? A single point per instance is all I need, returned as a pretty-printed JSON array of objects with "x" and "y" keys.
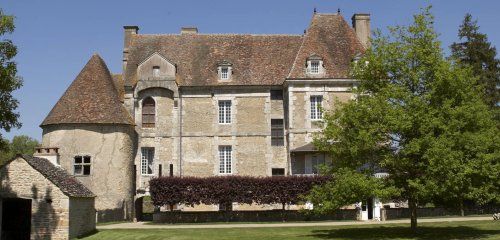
[
  {"x": 250, "y": 216},
  {"x": 397, "y": 213}
]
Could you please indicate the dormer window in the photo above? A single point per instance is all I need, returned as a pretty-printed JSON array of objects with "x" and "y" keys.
[
  {"x": 224, "y": 71},
  {"x": 314, "y": 65},
  {"x": 156, "y": 71}
]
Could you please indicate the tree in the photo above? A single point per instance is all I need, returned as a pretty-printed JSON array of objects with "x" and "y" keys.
[
  {"x": 9, "y": 81},
  {"x": 475, "y": 50},
  {"x": 418, "y": 116},
  {"x": 19, "y": 145}
]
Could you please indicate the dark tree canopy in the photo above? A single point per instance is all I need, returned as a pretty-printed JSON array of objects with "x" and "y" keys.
[
  {"x": 9, "y": 81},
  {"x": 475, "y": 50},
  {"x": 21, "y": 144}
]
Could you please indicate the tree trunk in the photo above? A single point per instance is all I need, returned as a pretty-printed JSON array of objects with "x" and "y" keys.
[
  {"x": 462, "y": 212},
  {"x": 413, "y": 208}
]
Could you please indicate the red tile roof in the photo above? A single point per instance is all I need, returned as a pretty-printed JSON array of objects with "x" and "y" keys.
[{"x": 91, "y": 98}]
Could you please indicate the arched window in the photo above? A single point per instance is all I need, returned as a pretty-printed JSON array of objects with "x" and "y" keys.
[{"x": 148, "y": 113}]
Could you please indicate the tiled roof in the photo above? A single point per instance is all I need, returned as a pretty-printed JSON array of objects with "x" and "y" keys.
[
  {"x": 256, "y": 59},
  {"x": 91, "y": 98},
  {"x": 119, "y": 85},
  {"x": 68, "y": 184},
  {"x": 331, "y": 38}
]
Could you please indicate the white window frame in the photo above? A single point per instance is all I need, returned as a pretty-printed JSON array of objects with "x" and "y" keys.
[
  {"x": 82, "y": 165},
  {"x": 314, "y": 67},
  {"x": 224, "y": 73},
  {"x": 147, "y": 160},
  {"x": 224, "y": 108},
  {"x": 225, "y": 159},
  {"x": 316, "y": 105}
]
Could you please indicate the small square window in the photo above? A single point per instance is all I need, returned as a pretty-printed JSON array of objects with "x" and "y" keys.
[
  {"x": 278, "y": 171},
  {"x": 82, "y": 165},
  {"x": 315, "y": 67},
  {"x": 156, "y": 71},
  {"x": 276, "y": 95}
]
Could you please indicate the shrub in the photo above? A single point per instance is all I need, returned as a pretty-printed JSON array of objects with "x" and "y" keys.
[{"x": 224, "y": 190}]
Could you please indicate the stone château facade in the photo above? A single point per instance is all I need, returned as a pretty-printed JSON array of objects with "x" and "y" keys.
[{"x": 193, "y": 104}]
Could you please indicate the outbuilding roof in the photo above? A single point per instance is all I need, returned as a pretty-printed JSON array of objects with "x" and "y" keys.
[
  {"x": 91, "y": 98},
  {"x": 68, "y": 184}
]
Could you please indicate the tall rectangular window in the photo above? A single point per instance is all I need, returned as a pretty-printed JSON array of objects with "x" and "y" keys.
[
  {"x": 314, "y": 66},
  {"x": 147, "y": 156},
  {"x": 225, "y": 111},
  {"x": 316, "y": 103},
  {"x": 224, "y": 73},
  {"x": 277, "y": 132},
  {"x": 225, "y": 159},
  {"x": 81, "y": 165}
]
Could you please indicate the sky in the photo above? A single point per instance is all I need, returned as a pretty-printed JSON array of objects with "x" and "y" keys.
[{"x": 55, "y": 38}]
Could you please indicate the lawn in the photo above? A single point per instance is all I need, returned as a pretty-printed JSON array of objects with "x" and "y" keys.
[{"x": 444, "y": 230}]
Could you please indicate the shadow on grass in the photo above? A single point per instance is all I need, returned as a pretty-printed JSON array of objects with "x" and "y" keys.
[{"x": 423, "y": 233}]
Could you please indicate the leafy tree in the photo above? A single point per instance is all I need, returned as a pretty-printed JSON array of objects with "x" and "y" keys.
[
  {"x": 19, "y": 145},
  {"x": 9, "y": 81},
  {"x": 418, "y": 116},
  {"x": 475, "y": 50}
]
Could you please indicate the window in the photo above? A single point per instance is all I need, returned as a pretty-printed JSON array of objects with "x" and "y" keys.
[
  {"x": 81, "y": 165},
  {"x": 148, "y": 113},
  {"x": 224, "y": 73},
  {"x": 156, "y": 71},
  {"x": 315, "y": 67},
  {"x": 316, "y": 102},
  {"x": 225, "y": 159},
  {"x": 276, "y": 95},
  {"x": 277, "y": 132},
  {"x": 225, "y": 111},
  {"x": 147, "y": 156},
  {"x": 278, "y": 171}
]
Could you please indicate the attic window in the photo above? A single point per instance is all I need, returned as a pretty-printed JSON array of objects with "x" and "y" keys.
[
  {"x": 225, "y": 71},
  {"x": 315, "y": 67},
  {"x": 156, "y": 71}
]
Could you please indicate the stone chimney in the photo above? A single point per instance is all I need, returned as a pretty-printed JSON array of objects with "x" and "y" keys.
[
  {"x": 189, "y": 30},
  {"x": 49, "y": 153},
  {"x": 361, "y": 24},
  {"x": 129, "y": 31}
]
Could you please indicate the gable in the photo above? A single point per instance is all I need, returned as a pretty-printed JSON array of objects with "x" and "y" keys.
[{"x": 166, "y": 68}]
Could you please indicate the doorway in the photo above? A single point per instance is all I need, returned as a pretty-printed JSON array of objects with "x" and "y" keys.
[{"x": 16, "y": 219}]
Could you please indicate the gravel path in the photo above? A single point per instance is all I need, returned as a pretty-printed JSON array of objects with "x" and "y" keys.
[{"x": 143, "y": 225}]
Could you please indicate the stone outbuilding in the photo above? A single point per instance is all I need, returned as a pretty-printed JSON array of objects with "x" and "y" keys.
[{"x": 40, "y": 200}]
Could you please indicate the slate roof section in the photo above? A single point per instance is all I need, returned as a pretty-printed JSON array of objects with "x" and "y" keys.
[
  {"x": 256, "y": 59},
  {"x": 330, "y": 37},
  {"x": 91, "y": 98},
  {"x": 68, "y": 184}
]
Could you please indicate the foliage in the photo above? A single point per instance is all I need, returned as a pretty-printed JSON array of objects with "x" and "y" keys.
[
  {"x": 419, "y": 117},
  {"x": 346, "y": 187},
  {"x": 9, "y": 81},
  {"x": 475, "y": 51},
  {"x": 228, "y": 189},
  {"x": 21, "y": 144}
]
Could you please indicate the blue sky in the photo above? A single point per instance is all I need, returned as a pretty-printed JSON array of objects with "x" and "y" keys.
[{"x": 56, "y": 38}]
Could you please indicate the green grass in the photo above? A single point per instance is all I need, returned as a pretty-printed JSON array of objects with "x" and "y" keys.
[{"x": 427, "y": 231}]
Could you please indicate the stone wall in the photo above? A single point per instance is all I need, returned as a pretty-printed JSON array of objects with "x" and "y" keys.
[
  {"x": 81, "y": 216},
  {"x": 111, "y": 149},
  {"x": 50, "y": 207}
]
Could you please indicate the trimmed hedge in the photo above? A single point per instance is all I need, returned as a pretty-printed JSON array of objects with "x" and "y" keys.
[{"x": 227, "y": 189}]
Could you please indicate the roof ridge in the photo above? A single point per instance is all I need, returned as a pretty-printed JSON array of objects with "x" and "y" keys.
[{"x": 220, "y": 34}]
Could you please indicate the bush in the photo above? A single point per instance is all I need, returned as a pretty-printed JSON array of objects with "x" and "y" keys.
[{"x": 223, "y": 190}]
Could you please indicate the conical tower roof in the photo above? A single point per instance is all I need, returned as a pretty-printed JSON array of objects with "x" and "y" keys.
[{"x": 91, "y": 99}]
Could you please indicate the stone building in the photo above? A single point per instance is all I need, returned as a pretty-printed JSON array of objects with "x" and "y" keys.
[
  {"x": 40, "y": 200},
  {"x": 193, "y": 104}
]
